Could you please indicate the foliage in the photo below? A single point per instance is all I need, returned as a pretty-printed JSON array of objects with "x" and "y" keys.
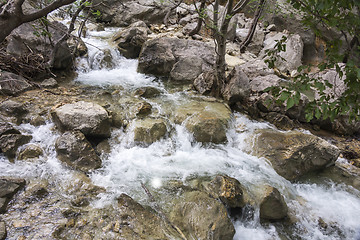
[{"x": 342, "y": 19}]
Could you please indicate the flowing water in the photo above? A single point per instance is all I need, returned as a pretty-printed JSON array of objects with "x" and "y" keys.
[{"x": 176, "y": 157}]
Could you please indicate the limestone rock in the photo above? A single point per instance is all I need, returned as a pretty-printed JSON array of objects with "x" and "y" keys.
[
  {"x": 9, "y": 143},
  {"x": 49, "y": 83},
  {"x": 294, "y": 154},
  {"x": 30, "y": 151},
  {"x": 12, "y": 84},
  {"x": 273, "y": 206},
  {"x": 227, "y": 189},
  {"x": 147, "y": 92},
  {"x": 8, "y": 188},
  {"x": 73, "y": 149},
  {"x": 3, "y": 232},
  {"x": 281, "y": 121},
  {"x": 90, "y": 118},
  {"x": 7, "y": 128},
  {"x": 238, "y": 86},
  {"x": 201, "y": 217},
  {"x": 186, "y": 69},
  {"x": 13, "y": 109},
  {"x": 149, "y": 130},
  {"x": 131, "y": 39},
  {"x": 143, "y": 108},
  {"x": 204, "y": 83}
]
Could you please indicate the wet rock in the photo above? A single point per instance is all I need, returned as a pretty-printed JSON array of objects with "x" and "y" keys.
[
  {"x": 281, "y": 121},
  {"x": 3, "y": 232},
  {"x": 294, "y": 154},
  {"x": 293, "y": 54},
  {"x": 13, "y": 109},
  {"x": 49, "y": 83},
  {"x": 77, "y": 46},
  {"x": 227, "y": 189},
  {"x": 37, "y": 121},
  {"x": 143, "y": 109},
  {"x": 147, "y": 92},
  {"x": 90, "y": 118},
  {"x": 102, "y": 59},
  {"x": 30, "y": 151},
  {"x": 36, "y": 193},
  {"x": 273, "y": 206},
  {"x": 12, "y": 84},
  {"x": 158, "y": 56},
  {"x": 8, "y": 188},
  {"x": 103, "y": 147},
  {"x": 131, "y": 39},
  {"x": 204, "y": 83},
  {"x": 7, "y": 128},
  {"x": 149, "y": 130},
  {"x": 201, "y": 217},
  {"x": 186, "y": 69},
  {"x": 238, "y": 86},
  {"x": 73, "y": 149},
  {"x": 137, "y": 221},
  {"x": 207, "y": 121},
  {"x": 80, "y": 202},
  {"x": 9, "y": 143}
]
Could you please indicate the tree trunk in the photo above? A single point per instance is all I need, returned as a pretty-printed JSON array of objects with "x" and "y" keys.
[{"x": 7, "y": 25}]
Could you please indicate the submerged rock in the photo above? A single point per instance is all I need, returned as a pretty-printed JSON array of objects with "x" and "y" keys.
[
  {"x": 73, "y": 149},
  {"x": 30, "y": 151},
  {"x": 149, "y": 130},
  {"x": 8, "y": 188},
  {"x": 3, "y": 232},
  {"x": 9, "y": 143},
  {"x": 273, "y": 206},
  {"x": 201, "y": 217},
  {"x": 293, "y": 154},
  {"x": 90, "y": 118}
]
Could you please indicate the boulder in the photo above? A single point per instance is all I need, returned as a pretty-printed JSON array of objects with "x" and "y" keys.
[
  {"x": 149, "y": 130},
  {"x": 90, "y": 118},
  {"x": 7, "y": 128},
  {"x": 102, "y": 59},
  {"x": 3, "y": 232},
  {"x": 207, "y": 121},
  {"x": 24, "y": 39},
  {"x": 9, "y": 143},
  {"x": 260, "y": 83},
  {"x": 273, "y": 206},
  {"x": 257, "y": 41},
  {"x": 77, "y": 46},
  {"x": 131, "y": 39},
  {"x": 73, "y": 149},
  {"x": 237, "y": 87},
  {"x": 280, "y": 121},
  {"x": 49, "y": 83},
  {"x": 158, "y": 56},
  {"x": 201, "y": 217},
  {"x": 147, "y": 92},
  {"x": 293, "y": 154},
  {"x": 205, "y": 83},
  {"x": 143, "y": 109},
  {"x": 12, "y": 84},
  {"x": 290, "y": 59},
  {"x": 8, "y": 188},
  {"x": 30, "y": 151},
  {"x": 186, "y": 69},
  {"x": 14, "y": 110},
  {"x": 227, "y": 189}
]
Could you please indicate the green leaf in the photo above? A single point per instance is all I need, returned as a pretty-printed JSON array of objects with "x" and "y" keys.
[
  {"x": 284, "y": 96},
  {"x": 317, "y": 113},
  {"x": 290, "y": 103},
  {"x": 309, "y": 116}
]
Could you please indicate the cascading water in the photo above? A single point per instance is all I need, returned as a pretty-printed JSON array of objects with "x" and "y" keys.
[{"x": 176, "y": 157}]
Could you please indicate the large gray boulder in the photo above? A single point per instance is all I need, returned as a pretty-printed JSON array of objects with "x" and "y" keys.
[
  {"x": 159, "y": 56},
  {"x": 90, "y": 118},
  {"x": 290, "y": 59},
  {"x": 273, "y": 206},
  {"x": 12, "y": 84},
  {"x": 293, "y": 154},
  {"x": 25, "y": 40},
  {"x": 131, "y": 39},
  {"x": 237, "y": 87},
  {"x": 186, "y": 69},
  {"x": 8, "y": 188},
  {"x": 200, "y": 216},
  {"x": 76, "y": 151}
]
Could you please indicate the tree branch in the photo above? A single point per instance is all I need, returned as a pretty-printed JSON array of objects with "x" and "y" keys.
[{"x": 239, "y": 6}]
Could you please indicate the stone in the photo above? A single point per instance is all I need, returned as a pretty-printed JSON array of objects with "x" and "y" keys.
[
  {"x": 103, "y": 59},
  {"x": 13, "y": 109},
  {"x": 49, "y": 83},
  {"x": 204, "y": 83},
  {"x": 77, "y": 46},
  {"x": 257, "y": 41},
  {"x": 294, "y": 154},
  {"x": 260, "y": 83},
  {"x": 30, "y": 151},
  {"x": 12, "y": 84},
  {"x": 149, "y": 130},
  {"x": 273, "y": 206},
  {"x": 103, "y": 147},
  {"x": 237, "y": 87},
  {"x": 143, "y": 109},
  {"x": 3, "y": 232},
  {"x": 280, "y": 121},
  {"x": 8, "y": 188},
  {"x": 90, "y": 118},
  {"x": 255, "y": 68},
  {"x": 232, "y": 61},
  {"x": 227, "y": 189},
  {"x": 159, "y": 55},
  {"x": 37, "y": 121},
  {"x": 76, "y": 151},
  {"x": 290, "y": 59},
  {"x": 201, "y": 217},
  {"x": 147, "y": 92},
  {"x": 186, "y": 69},
  {"x": 7, "y": 128},
  {"x": 9, "y": 143},
  {"x": 131, "y": 39}
]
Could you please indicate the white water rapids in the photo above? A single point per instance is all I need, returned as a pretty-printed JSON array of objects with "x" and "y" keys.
[{"x": 179, "y": 158}]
